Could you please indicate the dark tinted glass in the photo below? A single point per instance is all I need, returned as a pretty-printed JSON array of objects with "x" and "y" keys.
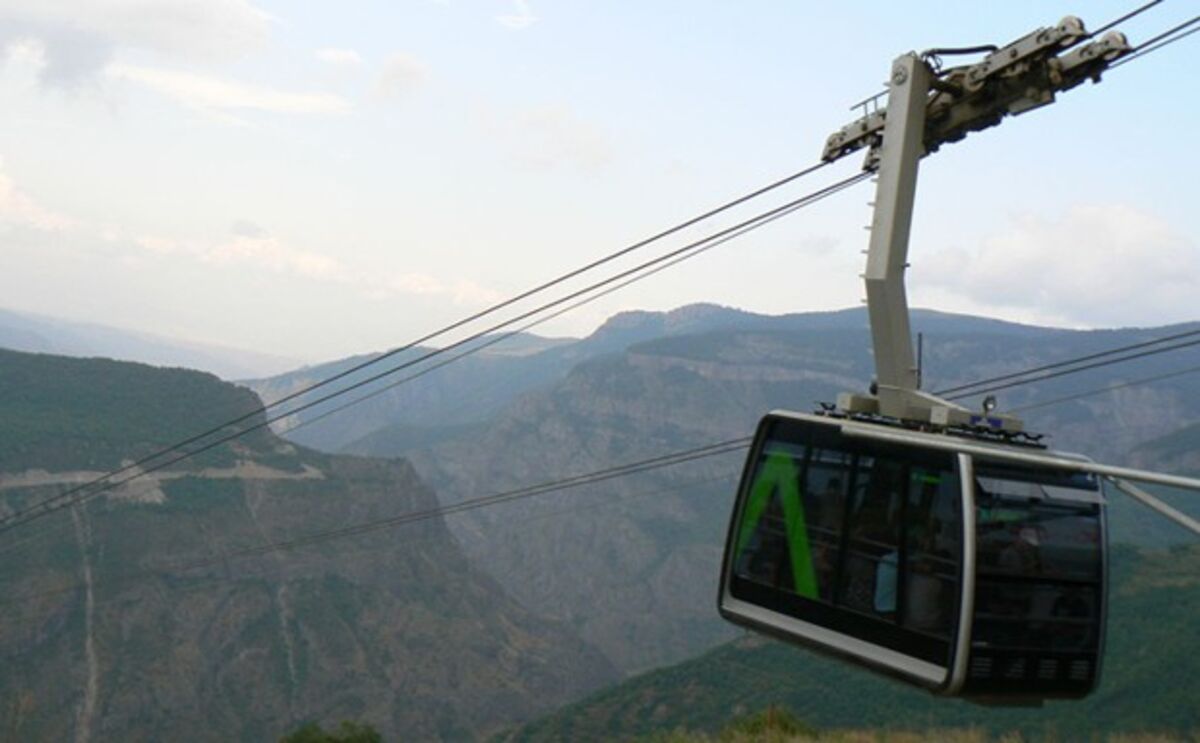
[
  {"x": 822, "y": 531},
  {"x": 790, "y": 530},
  {"x": 824, "y": 491},
  {"x": 871, "y": 575},
  {"x": 1036, "y": 616},
  {"x": 1039, "y": 597},
  {"x": 931, "y": 566},
  {"x": 1037, "y": 531}
]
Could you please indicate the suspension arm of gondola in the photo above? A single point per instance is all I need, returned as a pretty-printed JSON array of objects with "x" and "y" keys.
[{"x": 926, "y": 109}]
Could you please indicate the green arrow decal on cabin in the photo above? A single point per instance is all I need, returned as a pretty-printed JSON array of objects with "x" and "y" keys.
[{"x": 779, "y": 474}]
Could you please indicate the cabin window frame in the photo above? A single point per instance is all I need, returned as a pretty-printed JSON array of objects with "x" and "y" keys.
[{"x": 890, "y": 635}]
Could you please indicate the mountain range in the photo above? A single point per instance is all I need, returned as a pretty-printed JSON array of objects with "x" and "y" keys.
[
  {"x": 148, "y": 614},
  {"x": 159, "y": 611},
  {"x": 631, "y": 563},
  {"x": 23, "y": 331}
]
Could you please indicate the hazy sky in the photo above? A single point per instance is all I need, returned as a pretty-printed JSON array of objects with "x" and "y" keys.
[{"x": 319, "y": 179}]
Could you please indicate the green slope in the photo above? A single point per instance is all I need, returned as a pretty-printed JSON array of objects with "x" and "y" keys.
[
  {"x": 92, "y": 414},
  {"x": 130, "y": 617},
  {"x": 1178, "y": 451},
  {"x": 1151, "y": 679}
]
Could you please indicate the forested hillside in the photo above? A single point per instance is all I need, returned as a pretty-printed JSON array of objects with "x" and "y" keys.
[
  {"x": 147, "y": 613},
  {"x": 1150, "y": 682}
]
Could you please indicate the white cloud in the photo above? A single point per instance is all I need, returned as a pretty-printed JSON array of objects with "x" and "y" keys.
[
  {"x": 414, "y": 283},
  {"x": 818, "y": 245},
  {"x": 25, "y": 56},
  {"x": 17, "y": 208},
  {"x": 400, "y": 75},
  {"x": 159, "y": 245},
  {"x": 207, "y": 93},
  {"x": 467, "y": 292},
  {"x": 1094, "y": 265},
  {"x": 461, "y": 291},
  {"x": 251, "y": 246},
  {"x": 80, "y": 38},
  {"x": 552, "y": 136},
  {"x": 340, "y": 57},
  {"x": 268, "y": 252},
  {"x": 247, "y": 228},
  {"x": 520, "y": 19},
  {"x": 25, "y": 51}
]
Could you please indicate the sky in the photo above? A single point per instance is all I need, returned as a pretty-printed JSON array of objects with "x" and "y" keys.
[{"x": 316, "y": 179}]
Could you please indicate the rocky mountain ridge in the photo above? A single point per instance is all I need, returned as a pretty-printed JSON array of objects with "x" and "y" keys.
[
  {"x": 32, "y": 333},
  {"x": 150, "y": 613},
  {"x": 693, "y": 377}
]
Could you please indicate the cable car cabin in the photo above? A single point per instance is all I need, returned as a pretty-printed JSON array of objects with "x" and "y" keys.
[{"x": 968, "y": 576}]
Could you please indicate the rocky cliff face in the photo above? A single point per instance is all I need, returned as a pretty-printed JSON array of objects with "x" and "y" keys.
[
  {"x": 633, "y": 563},
  {"x": 145, "y": 614},
  {"x": 468, "y": 391},
  {"x": 630, "y": 563}
]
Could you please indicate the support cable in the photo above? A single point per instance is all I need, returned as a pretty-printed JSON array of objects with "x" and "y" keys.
[
  {"x": 1110, "y": 388},
  {"x": 1016, "y": 383},
  {"x": 410, "y": 541},
  {"x": 8, "y": 522},
  {"x": 1174, "y": 29},
  {"x": 1128, "y": 16},
  {"x": 591, "y": 478},
  {"x": 610, "y": 473},
  {"x": 1158, "y": 42},
  {"x": 1069, "y": 362},
  {"x": 1019, "y": 382},
  {"x": 105, "y": 483},
  {"x": 261, "y": 410},
  {"x": 11, "y": 520},
  {"x": 529, "y": 326},
  {"x": 319, "y": 537},
  {"x": 1075, "y": 370}
]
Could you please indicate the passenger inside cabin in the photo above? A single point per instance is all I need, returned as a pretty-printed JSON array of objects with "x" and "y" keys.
[
  {"x": 928, "y": 600},
  {"x": 1023, "y": 554}
]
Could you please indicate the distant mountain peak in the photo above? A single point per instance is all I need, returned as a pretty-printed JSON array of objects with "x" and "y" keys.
[
  {"x": 34, "y": 333},
  {"x": 689, "y": 317}
]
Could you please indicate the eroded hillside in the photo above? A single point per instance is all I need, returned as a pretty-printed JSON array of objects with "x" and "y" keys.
[{"x": 139, "y": 616}]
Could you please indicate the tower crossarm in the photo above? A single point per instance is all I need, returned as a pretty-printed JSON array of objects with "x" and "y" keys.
[
  {"x": 928, "y": 107},
  {"x": 1023, "y": 75}
]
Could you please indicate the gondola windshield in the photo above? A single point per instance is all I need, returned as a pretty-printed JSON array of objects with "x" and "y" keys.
[{"x": 1039, "y": 605}]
